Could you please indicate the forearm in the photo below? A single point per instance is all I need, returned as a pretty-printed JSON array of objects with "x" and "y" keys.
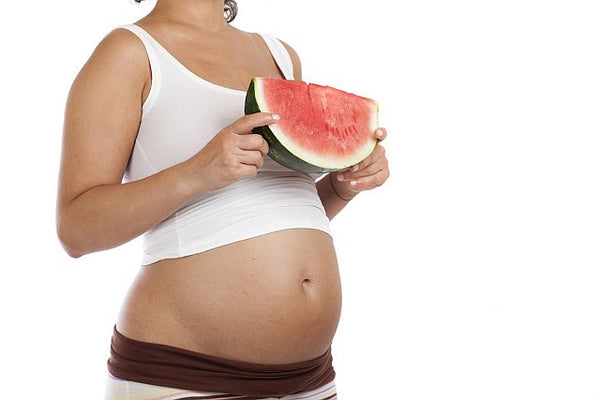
[
  {"x": 332, "y": 201},
  {"x": 106, "y": 216}
]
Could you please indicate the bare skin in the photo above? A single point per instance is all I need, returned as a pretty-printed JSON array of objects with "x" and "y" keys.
[{"x": 274, "y": 298}]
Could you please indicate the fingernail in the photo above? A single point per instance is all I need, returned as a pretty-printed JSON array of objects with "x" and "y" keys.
[
  {"x": 340, "y": 177},
  {"x": 355, "y": 168},
  {"x": 353, "y": 183},
  {"x": 275, "y": 117}
]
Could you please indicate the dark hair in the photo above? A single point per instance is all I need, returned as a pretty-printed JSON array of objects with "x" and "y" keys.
[{"x": 230, "y": 9}]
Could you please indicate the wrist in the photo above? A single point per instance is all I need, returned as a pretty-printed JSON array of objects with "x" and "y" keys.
[{"x": 185, "y": 183}]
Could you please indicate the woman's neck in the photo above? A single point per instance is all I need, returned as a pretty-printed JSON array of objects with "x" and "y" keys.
[{"x": 205, "y": 14}]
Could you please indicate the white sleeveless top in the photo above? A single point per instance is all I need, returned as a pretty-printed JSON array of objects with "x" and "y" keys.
[{"x": 181, "y": 114}]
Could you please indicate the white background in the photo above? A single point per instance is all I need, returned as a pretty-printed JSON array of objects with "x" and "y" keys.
[{"x": 474, "y": 273}]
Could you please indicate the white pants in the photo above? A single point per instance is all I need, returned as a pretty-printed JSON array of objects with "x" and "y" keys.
[{"x": 118, "y": 389}]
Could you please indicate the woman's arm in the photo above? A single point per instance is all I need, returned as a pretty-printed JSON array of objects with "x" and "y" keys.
[
  {"x": 95, "y": 211},
  {"x": 337, "y": 189}
]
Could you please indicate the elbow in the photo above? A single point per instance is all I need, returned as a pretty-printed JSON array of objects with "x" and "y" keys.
[
  {"x": 70, "y": 245},
  {"x": 70, "y": 241},
  {"x": 73, "y": 252}
]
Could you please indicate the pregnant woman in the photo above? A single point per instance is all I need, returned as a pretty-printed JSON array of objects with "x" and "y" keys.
[{"x": 239, "y": 293}]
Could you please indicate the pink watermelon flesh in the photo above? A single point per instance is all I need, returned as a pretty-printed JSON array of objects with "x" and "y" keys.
[{"x": 320, "y": 124}]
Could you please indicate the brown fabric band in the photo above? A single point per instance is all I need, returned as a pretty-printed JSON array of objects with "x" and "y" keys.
[{"x": 163, "y": 365}]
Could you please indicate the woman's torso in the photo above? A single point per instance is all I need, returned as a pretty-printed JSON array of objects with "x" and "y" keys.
[{"x": 271, "y": 298}]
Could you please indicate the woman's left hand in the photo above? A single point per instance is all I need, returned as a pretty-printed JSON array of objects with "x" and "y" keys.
[{"x": 368, "y": 174}]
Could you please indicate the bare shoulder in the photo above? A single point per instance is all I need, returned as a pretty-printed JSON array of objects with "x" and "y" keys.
[
  {"x": 122, "y": 40},
  {"x": 120, "y": 50},
  {"x": 295, "y": 60}
]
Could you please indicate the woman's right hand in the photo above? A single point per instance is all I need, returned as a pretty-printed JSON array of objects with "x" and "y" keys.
[{"x": 234, "y": 153}]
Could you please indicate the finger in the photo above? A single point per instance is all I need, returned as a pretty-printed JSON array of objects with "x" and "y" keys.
[
  {"x": 245, "y": 124},
  {"x": 380, "y": 133},
  {"x": 367, "y": 171},
  {"x": 341, "y": 172},
  {"x": 252, "y": 158},
  {"x": 247, "y": 170},
  {"x": 369, "y": 182},
  {"x": 253, "y": 142},
  {"x": 377, "y": 154},
  {"x": 264, "y": 149}
]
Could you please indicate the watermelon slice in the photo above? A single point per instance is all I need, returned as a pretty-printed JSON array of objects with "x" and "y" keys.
[{"x": 321, "y": 128}]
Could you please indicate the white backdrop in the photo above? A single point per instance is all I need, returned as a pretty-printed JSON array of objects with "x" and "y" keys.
[{"x": 474, "y": 273}]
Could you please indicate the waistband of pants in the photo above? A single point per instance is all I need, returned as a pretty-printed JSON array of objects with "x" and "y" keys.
[{"x": 163, "y": 365}]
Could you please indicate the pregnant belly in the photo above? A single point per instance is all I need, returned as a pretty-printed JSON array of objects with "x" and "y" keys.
[{"x": 273, "y": 299}]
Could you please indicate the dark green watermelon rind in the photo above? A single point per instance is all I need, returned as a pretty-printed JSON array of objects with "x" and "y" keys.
[{"x": 277, "y": 151}]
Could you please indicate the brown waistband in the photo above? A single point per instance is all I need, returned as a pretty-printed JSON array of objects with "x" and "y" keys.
[{"x": 164, "y": 365}]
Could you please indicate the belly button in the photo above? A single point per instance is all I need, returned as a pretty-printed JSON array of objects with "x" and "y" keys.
[{"x": 306, "y": 282}]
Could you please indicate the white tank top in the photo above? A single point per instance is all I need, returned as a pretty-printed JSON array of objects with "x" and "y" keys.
[{"x": 181, "y": 114}]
